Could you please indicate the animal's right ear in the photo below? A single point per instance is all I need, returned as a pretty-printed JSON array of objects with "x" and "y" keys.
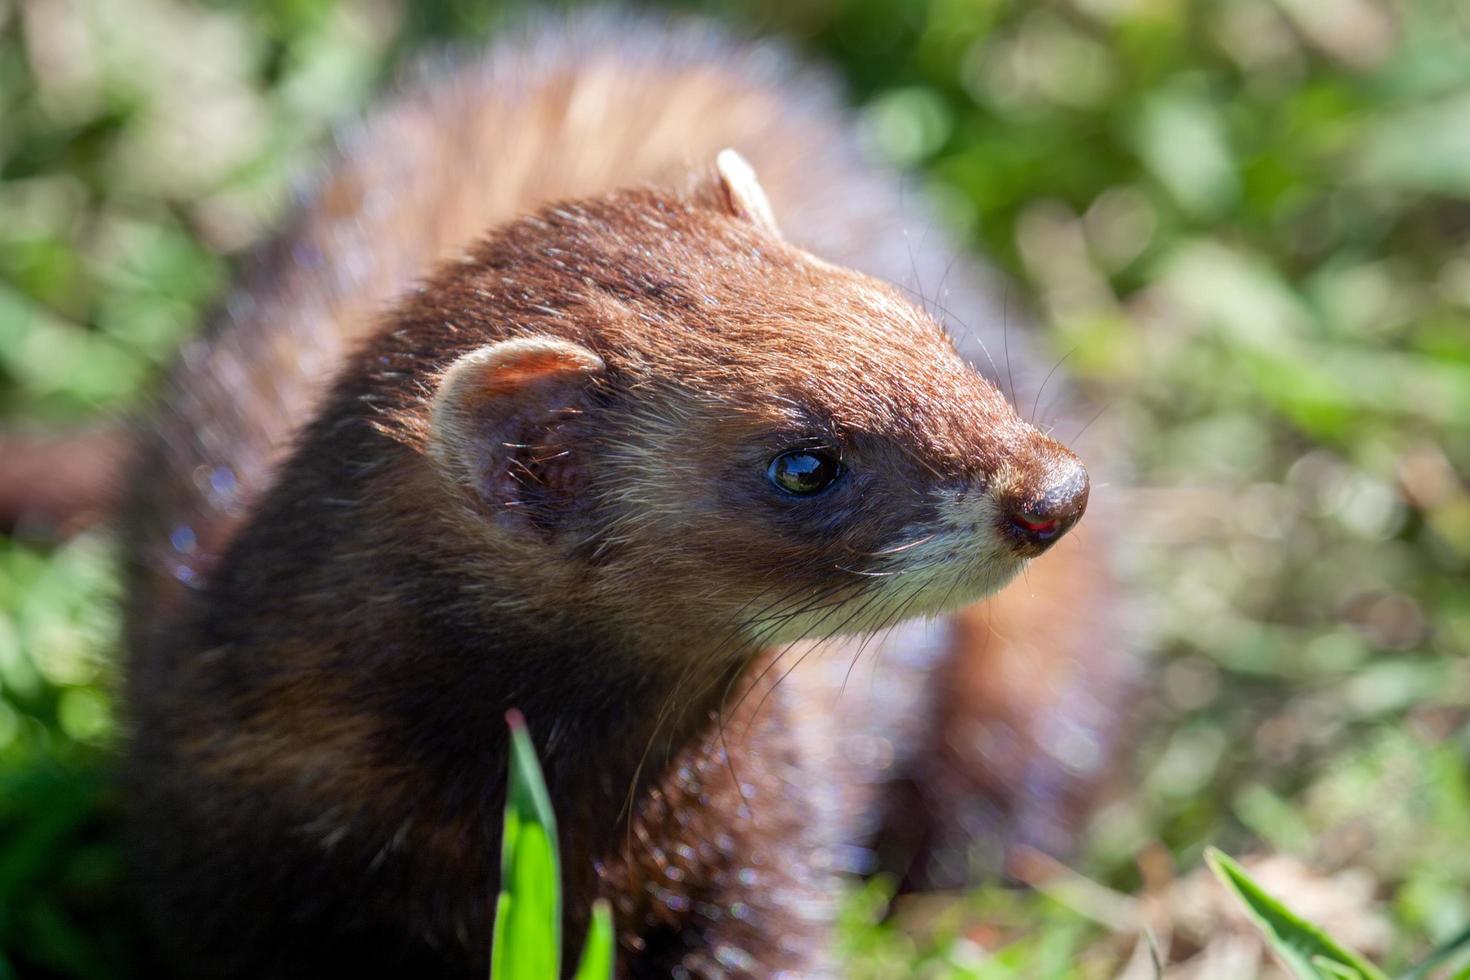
[
  {"x": 738, "y": 191},
  {"x": 495, "y": 420}
]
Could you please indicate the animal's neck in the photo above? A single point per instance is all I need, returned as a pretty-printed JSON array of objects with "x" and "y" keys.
[
  {"x": 610, "y": 739},
  {"x": 357, "y": 684},
  {"x": 437, "y": 656},
  {"x": 605, "y": 723},
  {"x": 387, "y": 669}
]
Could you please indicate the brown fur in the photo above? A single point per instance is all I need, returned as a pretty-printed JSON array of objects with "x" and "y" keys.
[{"x": 317, "y": 681}]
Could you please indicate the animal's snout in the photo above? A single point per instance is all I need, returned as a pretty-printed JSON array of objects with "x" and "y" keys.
[{"x": 1043, "y": 508}]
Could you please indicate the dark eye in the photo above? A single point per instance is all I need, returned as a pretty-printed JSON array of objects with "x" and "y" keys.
[{"x": 803, "y": 472}]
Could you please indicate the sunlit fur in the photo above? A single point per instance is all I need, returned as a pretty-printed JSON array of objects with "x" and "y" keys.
[
  {"x": 546, "y": 476},
  {"x": 722, "y": 346},
  {"x": 316, "y": 688}
]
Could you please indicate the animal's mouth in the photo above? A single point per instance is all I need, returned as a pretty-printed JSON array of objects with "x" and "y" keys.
[
  {"x": 1045, "y": 529},
  {"x": 930, "y": 572},
  {"x": 922, "y": 589}
]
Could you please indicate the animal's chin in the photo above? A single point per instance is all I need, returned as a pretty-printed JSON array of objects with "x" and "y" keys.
[
  {"x": 916, "y": 593},
  {"x": 968, "y": 586}
]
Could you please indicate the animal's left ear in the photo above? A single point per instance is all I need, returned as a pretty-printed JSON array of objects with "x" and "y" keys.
[
  {"x": 496, "y": 427},
  {"x": 738, "y": 191}
]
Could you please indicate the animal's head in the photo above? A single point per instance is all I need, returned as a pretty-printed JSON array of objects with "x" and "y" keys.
[{"x": 672, "y": 415}]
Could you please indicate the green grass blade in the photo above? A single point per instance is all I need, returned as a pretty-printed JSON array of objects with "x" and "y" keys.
[
  {"x": 527, "y": 937},
  {"x": 1298, "y": 943},
  {"x": 597, "y": 953},
  {"x": 1442, "y": 955},
  {"x": 1334, "y": 970}
]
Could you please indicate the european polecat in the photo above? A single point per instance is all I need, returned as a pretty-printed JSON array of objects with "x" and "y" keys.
[{"x": 534, "y": 405}]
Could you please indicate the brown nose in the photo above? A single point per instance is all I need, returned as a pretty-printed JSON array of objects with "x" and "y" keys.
[{"x": 1048, "y": 508}]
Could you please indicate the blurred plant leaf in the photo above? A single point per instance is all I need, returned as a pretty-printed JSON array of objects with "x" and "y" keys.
[
  {"x": 1182, "y": 141},
  {"x": 1442, "y": 955},
  {"x": 1297, "y": 943},
  {"x": 1425, "y": 149},
  {"x": 1335, "y": 970}
]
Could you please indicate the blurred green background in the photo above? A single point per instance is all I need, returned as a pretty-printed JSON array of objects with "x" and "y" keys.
[{"x": 1244, "y": 221}]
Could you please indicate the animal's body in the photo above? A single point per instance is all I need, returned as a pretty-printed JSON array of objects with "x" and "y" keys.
[{"x": 532, "y": 405}]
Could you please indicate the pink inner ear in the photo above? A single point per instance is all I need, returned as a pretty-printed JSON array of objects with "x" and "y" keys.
[
  {"x": 496, "y": 423},
  {"x": 500, "y": 380}
]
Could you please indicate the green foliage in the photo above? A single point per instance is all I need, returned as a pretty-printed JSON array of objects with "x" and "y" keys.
[
  {"x": 527, "y": 935},
  {"x": 1444, "y": 954},
  {"x": 876, "y": 946},
  {"x": 62, "y": 912},
  {"x": 598, "y": 953},
  {"x": 1306, "y": 949},
  {"x": 1310, "y": 953},
  {"x": 528, "y": 913}
]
